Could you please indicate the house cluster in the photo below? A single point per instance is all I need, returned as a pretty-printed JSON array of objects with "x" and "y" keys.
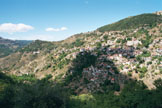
[
  {"x": 127, "y": 52},
  {"x": 121, "y": 57},
  {"x": 36, "y": 52},
  {"x": 134, "y": 43},
  {"x": 106, "y": 69},
  {"x": 97, "y": 76}
]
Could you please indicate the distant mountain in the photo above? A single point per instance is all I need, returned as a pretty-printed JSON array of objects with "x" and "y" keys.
[
  {"x": 8, "y": 46},
  {"x": 96, "y": 61}
]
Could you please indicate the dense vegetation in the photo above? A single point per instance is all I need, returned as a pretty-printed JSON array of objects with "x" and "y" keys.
[
  {"x": 133, "y": 22},
  {"x": 16, "y": 93},
  {"x": 136, "y": 96},
  {"x": 28, "y": 92}
]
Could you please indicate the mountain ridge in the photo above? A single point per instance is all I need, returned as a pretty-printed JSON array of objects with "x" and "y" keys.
[
  {"x": 8, "y": 46},
  {"x": 133, "y": 22}
]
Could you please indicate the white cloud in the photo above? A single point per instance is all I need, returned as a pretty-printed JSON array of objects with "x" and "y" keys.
[
  {"x": 56, "y": 29},
  {"x": 11, "y": 28}
]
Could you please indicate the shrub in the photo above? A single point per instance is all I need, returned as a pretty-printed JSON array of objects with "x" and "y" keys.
[
  {"x": 118, "y": 40},
  {"x": 105, "y": 38},
  {"x": 139, "y": 59},
  {"x": 146, "y": 42},
  {"x": 146, "y": 54},
  {"x": 98, "y": 44},
  {"x": 142, "y": 70},
  {"x": 129, "y": 74},
  {"x": 158, "y": 83}
]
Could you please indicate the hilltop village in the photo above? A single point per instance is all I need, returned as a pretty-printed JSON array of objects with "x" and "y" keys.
[{"x": 119, "y": 54}]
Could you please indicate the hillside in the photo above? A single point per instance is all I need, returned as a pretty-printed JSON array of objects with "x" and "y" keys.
[
  {"x": 99, "y": 60},
  {"x": 150, "y": 20},
  {"x": 116, "y": 66},
  {"x": 10, "y": 46}
]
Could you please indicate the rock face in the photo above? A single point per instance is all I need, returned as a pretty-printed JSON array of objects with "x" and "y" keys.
[{"x": 158, "y": 12}]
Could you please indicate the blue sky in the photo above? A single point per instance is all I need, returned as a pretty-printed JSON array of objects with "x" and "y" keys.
[{"x": 55, "y": 20}]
